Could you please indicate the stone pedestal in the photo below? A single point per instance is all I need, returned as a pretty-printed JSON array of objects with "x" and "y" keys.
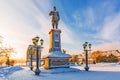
[
  {"x": 55, "y": 58},
  {"x": 55, "y": 40},
  {"x": 56, "y": 62}
]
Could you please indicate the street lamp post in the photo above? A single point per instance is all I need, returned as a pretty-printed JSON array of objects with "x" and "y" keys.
[
  {"x": 38, "y": 47},
  {"x": 41, "y": 43},
  {"x": 37, "y": 71},
  {"x": 85, "y": 45},
  {"x": 30, "y": 52}
]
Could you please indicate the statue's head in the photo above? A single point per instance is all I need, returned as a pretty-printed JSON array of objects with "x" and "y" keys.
[{"x": 54, "y": 8}]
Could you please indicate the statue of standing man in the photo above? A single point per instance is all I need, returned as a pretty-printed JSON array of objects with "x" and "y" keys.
[{"x": 55, "y": 17}]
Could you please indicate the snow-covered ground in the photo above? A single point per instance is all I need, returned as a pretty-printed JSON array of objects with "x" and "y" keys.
[
  {"x": 101, "y": 71},
  {"x": 5, "y": 72}
]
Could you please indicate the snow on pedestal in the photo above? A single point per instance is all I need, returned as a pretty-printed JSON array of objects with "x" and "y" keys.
[{"x": 56, "y": 54}]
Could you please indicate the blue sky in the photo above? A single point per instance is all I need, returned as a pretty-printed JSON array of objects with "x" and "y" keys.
[
  {"x": 91, "y": 17},
  {"x": 95, "y": 21}
]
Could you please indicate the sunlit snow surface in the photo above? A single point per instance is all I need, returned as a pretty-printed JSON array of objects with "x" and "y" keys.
[
  {"x": 6, "y": 71},
  {"x": 101, "y": 71}
]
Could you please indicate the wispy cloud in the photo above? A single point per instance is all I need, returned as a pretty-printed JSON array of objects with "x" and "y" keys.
[
  {"x": 23, "y": 20},
  {"x": 90, "y": 16},
  {"x": 107, "y": 46},
  {"x": 111, "y": 28},
  {"x": 99, "y": 23}
]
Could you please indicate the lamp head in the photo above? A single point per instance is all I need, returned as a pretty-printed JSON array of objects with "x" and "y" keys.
[
  {"x": 35, "y": 40},
  {"x": 41, "y": 41},
  {"x": 90, "y": 45},
  {"x": 85, "y": 45}
]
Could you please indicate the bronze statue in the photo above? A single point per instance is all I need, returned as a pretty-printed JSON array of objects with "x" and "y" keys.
[{"x": 55, "y": 17}]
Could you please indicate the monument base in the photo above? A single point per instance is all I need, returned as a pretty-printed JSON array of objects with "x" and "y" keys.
[
  {"x": 56, "y": 59},
  {"x": 56, "y": 62}
]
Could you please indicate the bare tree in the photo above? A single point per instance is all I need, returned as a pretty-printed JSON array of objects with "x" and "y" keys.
[{"x": 5, "y": 53}]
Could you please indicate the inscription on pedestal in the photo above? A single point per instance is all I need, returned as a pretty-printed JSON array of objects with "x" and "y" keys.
[{"x": 59, "y": 62}]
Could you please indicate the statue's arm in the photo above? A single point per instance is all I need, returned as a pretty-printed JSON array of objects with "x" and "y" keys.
[
  {"x": 58, "y": 16},
  {"x": 50, "y": 13}
]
